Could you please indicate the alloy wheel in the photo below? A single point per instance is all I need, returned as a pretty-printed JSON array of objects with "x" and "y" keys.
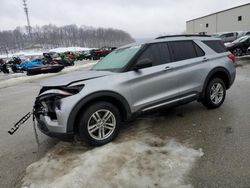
[
  {"x": 101, "y": 124},
  {"x": 216, "y": 93}
]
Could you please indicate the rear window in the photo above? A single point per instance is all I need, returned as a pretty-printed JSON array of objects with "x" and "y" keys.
[
  {"x": 185, "y": 50},
  {"x": 216, "y": 45}
]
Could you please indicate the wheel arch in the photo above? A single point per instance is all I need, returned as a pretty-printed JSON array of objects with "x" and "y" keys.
[
  {"x": 108, "y": 96},
  {"x": 218, "y": 72}
]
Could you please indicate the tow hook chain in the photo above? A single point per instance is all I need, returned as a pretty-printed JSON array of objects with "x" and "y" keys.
[
  {"x": 19, "y": 123},
  {"x": 22, "y": 121}
]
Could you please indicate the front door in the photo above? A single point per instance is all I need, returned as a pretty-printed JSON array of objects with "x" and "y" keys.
[{"x": 155, "y": 85}]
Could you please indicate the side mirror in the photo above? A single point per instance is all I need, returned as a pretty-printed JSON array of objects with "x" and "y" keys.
[{"x": 143, "y": 63}]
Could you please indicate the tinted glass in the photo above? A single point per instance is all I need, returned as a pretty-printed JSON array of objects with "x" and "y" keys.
[
  {"x": 183, "y": 50},
  {"x": 158, "y": 53},
  {"x": 199, "y": 51},
  {"x": 216, "y": 45},
  {"x": 227, "y": 35}
]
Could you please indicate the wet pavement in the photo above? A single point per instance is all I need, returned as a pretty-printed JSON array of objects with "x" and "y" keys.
[{"x": 223, "y": 134}]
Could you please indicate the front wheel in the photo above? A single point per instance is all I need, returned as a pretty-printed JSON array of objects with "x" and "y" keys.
[
  {"x": 237, "y": 52},
  {"x": 99, "y": 124},
  {"x": 215, "y": 93}
]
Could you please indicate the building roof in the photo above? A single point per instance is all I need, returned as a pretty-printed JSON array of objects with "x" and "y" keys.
[{"x": 219, "y": 12}]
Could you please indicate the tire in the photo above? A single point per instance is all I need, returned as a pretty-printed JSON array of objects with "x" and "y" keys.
[
  {"x": 215, "y": 94},
  {"x": 237, "y": 52},
  {"x": 93, "y": 129}
]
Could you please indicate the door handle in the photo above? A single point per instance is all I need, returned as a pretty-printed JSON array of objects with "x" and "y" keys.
[
  {"x": 168, "y": 68},
  {"x": 205, "y": 59}
]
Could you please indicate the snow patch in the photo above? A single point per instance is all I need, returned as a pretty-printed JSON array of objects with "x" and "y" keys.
[
  {"x": 143, "y": 161},
  {"x": 70, "y": 49}
]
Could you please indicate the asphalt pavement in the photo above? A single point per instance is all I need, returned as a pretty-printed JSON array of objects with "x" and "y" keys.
[{"x": 223, "y": 134}]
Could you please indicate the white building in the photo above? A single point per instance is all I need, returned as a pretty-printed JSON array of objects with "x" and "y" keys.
[{"x": 233, "y": 19}]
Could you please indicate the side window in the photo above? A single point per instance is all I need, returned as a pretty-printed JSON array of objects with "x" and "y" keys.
[
  {"x": 158, "y": 53},
  {"x": 183, "y": 50},
  {"x": 216, "y": 45},
  {"x": 199, "y": 51},
  {"x": 229, "y": 34}
]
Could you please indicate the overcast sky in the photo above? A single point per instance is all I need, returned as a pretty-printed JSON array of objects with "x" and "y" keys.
[{"x": 141, "y": 18}]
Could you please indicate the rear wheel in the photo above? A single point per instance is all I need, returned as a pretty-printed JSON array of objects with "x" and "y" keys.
[
  {"x": 99, "y": 124},
  {"x": 215, "y": 93}
]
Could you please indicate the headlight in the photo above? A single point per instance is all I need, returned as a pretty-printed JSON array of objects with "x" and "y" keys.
[
  {"x": 51, "y": 97},
  {"x": 64, "y": 90},
  {"x": 56, "y": 91}
]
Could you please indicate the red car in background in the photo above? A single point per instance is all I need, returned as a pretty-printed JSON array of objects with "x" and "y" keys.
[{"x": 102, "y": 52}]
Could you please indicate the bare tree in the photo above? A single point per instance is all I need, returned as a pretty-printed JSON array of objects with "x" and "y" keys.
[{"x": 49, "y": 36}]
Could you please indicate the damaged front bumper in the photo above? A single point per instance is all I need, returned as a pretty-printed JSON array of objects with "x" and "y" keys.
[{"x": 51, "y": 110}]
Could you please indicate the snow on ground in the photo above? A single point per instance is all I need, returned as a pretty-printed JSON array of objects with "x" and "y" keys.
[
  {"x": 23, "y": 54},
  {"x": 138, "y": 160},
  {"x": 39, "y": 52},
  {"x": 70, "y": 49},
  {"x": 7, "y": 80}
]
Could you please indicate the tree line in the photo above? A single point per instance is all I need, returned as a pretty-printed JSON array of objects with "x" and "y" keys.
[{"x": 50, "y": 36}]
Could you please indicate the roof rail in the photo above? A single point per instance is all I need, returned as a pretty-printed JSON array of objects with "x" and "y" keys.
[{"x": 187, "y": 35}]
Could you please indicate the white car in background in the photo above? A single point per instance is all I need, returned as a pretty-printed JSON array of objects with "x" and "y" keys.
[{"x": 228, "y": 37}]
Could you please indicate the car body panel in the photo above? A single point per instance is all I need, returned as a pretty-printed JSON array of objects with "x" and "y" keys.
[
  {"x": 66, "y": 79},
  {"x": 152, "y": 85}
]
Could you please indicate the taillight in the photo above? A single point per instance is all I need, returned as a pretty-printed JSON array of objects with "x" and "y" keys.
[{"x": 232, "y": 57}]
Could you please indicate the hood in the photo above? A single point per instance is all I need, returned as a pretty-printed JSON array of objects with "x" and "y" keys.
[
  {"x": 229, "y": 44},
  {"x": 66, "y": 79}
]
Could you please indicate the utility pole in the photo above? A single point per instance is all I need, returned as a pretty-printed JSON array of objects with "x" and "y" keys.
[{"x": 27, "y": 17}]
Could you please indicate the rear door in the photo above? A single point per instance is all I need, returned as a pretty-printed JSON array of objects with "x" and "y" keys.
[
  {"x": 191, "y": 65},
  {"x": 153, "y": 86}
]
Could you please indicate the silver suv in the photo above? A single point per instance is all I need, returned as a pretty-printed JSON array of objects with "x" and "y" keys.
[{"x": 167, "y": 71}]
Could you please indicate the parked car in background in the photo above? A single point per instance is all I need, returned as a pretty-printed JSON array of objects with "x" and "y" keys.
[
  {"x": 133, "y": 79},
  {"x": 239, "y": 46},
  {"x": 227, "y": 36},
  {"x": 102, "y": 52},
  {"x": 246, "y": 32}
]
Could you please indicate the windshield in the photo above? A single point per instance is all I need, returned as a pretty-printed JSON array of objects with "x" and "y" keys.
[
  {"x": 215, "y": 35},
  {"x": 241, "y": 39},
  {"x": 117, "y": 59}
]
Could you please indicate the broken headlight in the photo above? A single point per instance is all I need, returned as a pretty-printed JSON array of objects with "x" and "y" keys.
[
  {"x": 49, "y": 99},
  {"x": 72, "y": 90}
]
